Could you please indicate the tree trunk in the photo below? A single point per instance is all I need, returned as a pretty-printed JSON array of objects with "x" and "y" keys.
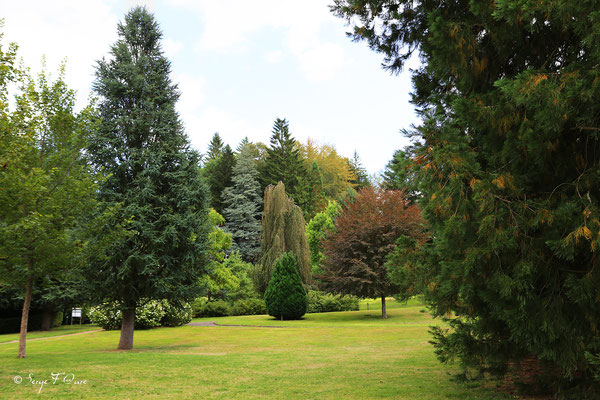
[
  {"x": 47, "y": 317},
  {"x": 25, "y": 314},
  {"x": 126, "y": 342},
  {"x": 383, "y": 311}
]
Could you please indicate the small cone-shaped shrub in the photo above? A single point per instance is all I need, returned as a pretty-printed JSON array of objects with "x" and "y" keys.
[{"x": 285, "y": 296}]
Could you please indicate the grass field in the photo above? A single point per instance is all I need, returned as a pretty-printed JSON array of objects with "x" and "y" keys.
[{"x": 348, "y": 355}]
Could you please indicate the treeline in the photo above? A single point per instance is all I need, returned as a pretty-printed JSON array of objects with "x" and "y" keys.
[{"x": 110, "y": 208}]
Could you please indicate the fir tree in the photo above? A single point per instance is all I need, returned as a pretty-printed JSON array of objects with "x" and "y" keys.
[
  {"x": 507, "y": 161},
  {"x": 219, "y": 175},
  {"x": 215, "y": 149},
  {"x": 154, "y": 182},
  {"x": 285, "y": 296},
  {"x": 361, "y": 177},
  {"x": 399, "y": 174},
  {"x": 283, "y": 162},
  {"x": 243, "y": 204}
]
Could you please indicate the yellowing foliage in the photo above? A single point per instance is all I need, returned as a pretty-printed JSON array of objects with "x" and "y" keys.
[{"x": 335, "y": 169}]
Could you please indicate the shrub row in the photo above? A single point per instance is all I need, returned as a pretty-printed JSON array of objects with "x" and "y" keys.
[
  {"x": 219, "y": 308},
  {"x": 152, "y": 314},
  {"x": 317, "y": 302}
]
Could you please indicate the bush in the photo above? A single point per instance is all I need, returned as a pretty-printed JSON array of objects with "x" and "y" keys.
[
  {"x": 218, "y": 308},
  {"x": 324, "y": 302},
  {"x": 108, "y": 316},
  {"x": 176, "y": 315},
  {"x": 285, "y": 296},
  {"x": 249, "y": 307}
]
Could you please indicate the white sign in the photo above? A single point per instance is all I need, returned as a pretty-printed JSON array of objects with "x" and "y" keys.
[{"x": 76, "y": 313}]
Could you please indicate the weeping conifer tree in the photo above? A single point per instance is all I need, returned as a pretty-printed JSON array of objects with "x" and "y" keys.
[{"x": 283, "y": 231}]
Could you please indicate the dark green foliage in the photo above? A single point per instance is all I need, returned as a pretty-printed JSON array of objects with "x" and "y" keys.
[
  {"x": 508, "y": 163},
  {"x": 312, "y": 197},
  {"x": 243, "y": 204},
  {"x": 399, "y": 174},
  {"x": 249, "y": 306},
  {"x": 285, "y": 296},
  {"x": 215, "y": 149},
  {"x": 361, "y": 177},
  {"x": 283, "y": 162},
  {"x": 283, "y": 230},
  {"x": 219, "y": 174},
  {"x": 154, "y": 179},
  {"x": 319, "y": 302},
  {"x": 217, "y": 308}
]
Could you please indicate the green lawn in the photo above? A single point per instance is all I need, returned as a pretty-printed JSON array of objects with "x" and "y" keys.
[
  {"x": 61, "y": 330},
  {"x": 349, "y": 355}
]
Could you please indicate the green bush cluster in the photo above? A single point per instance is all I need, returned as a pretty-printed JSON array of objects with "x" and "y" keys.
[
  {"x": 319, "y": 302},
  {"x": 150, "y": 315},
  {"x": 220, "y": 308}
]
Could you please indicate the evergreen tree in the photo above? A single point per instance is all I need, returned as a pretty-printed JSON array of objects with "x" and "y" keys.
[
  {"x": 361, "y": 177},
  {"x": 285, "y": 296},
  {"x": 219, "y": 175},
  {"x": 508, "y": 161},
  {"x": 282, "y": 231},
  {"x": 399, "y": 174},
  {"x": 312, "y": 197},
  {"x": 154, "y": 179},
  {"x": 283, "y": 162},
  {"x": 243, "y": 204},
  {"x": 215, "y": 149}
]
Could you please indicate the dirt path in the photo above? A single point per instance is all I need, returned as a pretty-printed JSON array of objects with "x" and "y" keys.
[{"x": 57, "y": 336}]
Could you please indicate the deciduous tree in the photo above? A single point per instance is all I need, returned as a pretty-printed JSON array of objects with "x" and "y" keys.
[{"x": 366, "y": 232}]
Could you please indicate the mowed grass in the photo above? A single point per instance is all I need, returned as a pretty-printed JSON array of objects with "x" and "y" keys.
[
  {"x": 61, "y": 330},
  {"x": 347, "y": 355}
]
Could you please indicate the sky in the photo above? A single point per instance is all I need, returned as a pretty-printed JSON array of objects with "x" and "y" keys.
[{"x": 239, "y": 65}]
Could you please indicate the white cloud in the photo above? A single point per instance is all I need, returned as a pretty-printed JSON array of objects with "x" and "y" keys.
[
  {"x": 229, "y": 26},
  {"x": 80, "y": 31},
  {"x": 273, "y": 57},
  {"x": 171, "y": 47},
  {"x": 149, "y": 4}
]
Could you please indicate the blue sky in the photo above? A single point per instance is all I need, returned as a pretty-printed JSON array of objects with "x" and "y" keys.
[{"x": 239, "y": 65}]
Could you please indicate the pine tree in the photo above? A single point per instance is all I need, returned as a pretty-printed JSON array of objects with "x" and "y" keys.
[
  {"x": 399, "y": 174},
  {"x": 243, "y": 204},
  {"x": 282, "y": 231},
  {"x": 285, "y": 296},
  {"x": 154, "y": 182},
  {"x": 215, "y": 149},
  {"x": 219, "y": 175},
  {"x": 283, "y": 162},
  {"x": 361, "y": 177},
  {"x": 507, "y": 161}
]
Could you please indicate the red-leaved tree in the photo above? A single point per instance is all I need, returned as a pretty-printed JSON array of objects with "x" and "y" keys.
[{"x": 366, "y": 231}]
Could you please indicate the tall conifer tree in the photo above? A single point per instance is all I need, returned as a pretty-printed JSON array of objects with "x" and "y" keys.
[
  {"x": 508, "y": 163},
  {"x": 283, "y": 162},
  {"x": 243, "y": 204},
  {"x": 153, "y": 178},
  {"x": 215, "y": 148}
]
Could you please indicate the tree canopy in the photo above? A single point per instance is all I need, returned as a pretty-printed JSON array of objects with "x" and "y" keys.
[
  {"x": 508, "y": 159},
  {"x": 365, "y": 233}
]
